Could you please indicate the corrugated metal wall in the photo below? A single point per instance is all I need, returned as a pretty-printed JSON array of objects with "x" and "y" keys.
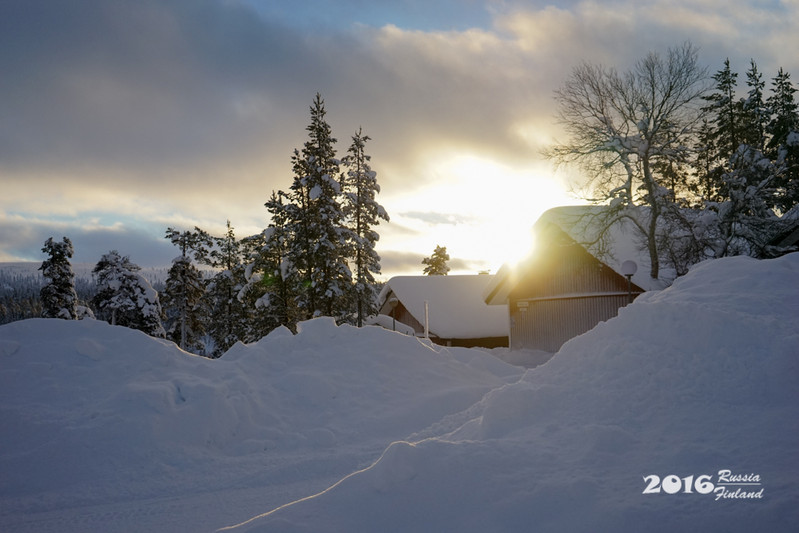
[
  {"x": 566, "y": 293},
  {"x": 547, "y": 324}
]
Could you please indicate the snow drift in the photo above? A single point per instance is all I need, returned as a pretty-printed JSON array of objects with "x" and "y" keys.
[
  {"x": 692, "y": 380},
  {"x": 107, "y": 429},
  {"x": 94, "y": 414}
]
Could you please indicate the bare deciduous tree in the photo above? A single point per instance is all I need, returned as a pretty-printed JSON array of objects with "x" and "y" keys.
[{"x": 626, "y": 129}]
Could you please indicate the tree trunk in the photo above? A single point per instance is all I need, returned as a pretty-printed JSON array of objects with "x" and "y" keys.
[
  {"x": 654, "y": 270},
  {"x": 651, "y": 187}
]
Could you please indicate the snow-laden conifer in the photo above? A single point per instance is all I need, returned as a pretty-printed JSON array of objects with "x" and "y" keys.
[
  {"x": 318, "y": 249},
  {"x": 124, "y": 297},
  {"x": 783, "y": 146},
  {"x": 363, "y": 213},
  {"x": 755, "y": 178},
  {"x": 436, "y": 264},
  {"x": 59, "y": 299},
  {"x": 277, "y": 289},
  {"x": 229, "y": 318},
  {"x": 183, "y": 299},
  {"x": 727, "y": 112},
  {"x": 756, "y": 114}
]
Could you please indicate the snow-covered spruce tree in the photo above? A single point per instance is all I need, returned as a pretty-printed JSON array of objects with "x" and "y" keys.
[
  {"x": 745, "y": 218},
  {"x": 183, "y": 299},
  {"x": 716, "y": 140},
  {"x": 319, "y": 246},
  {"x": 259, "y": 295},
  {"x": 753, "y": 179},
  {"x": 727, "y": 112},
  {"x": 625, "y": 129},
  {"x": 783, "y": 145},
  {"x": 436, "y": 264},
  {"x": 276, "y": 290},
  {"x": 705, "y": 184},
  {"x": 229, "y": 318},
  {"x": 755, "y": 112},
  {"x": 733, "y": 122},
  {"x": 59, "y": 299},
  {"x": 124, "y": 297},
  {"x": 363, "y": 213}
]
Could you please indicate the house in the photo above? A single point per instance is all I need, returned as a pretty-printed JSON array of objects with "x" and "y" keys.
[
  {"x": 456, "y": 313},
  {"x": 786, "y": 234},
  {"x": 563, "y": 289}
]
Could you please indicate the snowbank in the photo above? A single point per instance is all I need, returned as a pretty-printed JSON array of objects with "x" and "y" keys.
[
  {"x": 106, "y": 429},
  {"x": 94, "y": 414},
  {"x": 691, "y": 381}
]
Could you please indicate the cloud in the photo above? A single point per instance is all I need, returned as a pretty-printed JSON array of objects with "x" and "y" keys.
[
  {"x": 184, "y": 90},
  {"x": 617, "y": 33},
  {"x": 187, "y": 111},
  {"x": 21, "y": 239},
  {"x": 440, "y": 218},
  {"x": 419, "y": 14},
  {"x": 177, "y": 97},
  {"x": 395, "y": 263},
  {"x": 404, "y": 263}
]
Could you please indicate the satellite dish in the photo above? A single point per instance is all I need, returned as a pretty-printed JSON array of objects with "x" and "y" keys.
[{"x": 628, "y": 268}]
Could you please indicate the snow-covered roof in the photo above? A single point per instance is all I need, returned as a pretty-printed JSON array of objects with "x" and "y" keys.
[
  {"x": 622, "y": 242},
  {"x": 787, "y": 232},
  {"x": 456, "y": 309},
  {"x": 619, "y": 244}
]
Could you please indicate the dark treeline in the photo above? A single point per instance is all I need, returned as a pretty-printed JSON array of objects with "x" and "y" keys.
[{"x": 20, "y": 296}]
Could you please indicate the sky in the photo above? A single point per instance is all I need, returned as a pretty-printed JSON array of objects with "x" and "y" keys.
[{"x": 120, "y": 118}]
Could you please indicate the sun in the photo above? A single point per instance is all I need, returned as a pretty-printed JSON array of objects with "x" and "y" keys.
[
  {"x": 482, "y": 210},
  {"x": 505, "y": 202}
]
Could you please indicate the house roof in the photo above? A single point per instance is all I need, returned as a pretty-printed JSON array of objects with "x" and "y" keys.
[
  {"x": 787, "y": 231},
  {"x": 617, "y": 245},
  {"x": 456, "y": 308}
]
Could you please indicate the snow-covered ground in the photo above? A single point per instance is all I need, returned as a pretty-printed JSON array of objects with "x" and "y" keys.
[{"x": 346, "y": 429}]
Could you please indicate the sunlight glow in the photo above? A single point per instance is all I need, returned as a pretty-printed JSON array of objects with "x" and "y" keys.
[{"x": 481, "y": 210}]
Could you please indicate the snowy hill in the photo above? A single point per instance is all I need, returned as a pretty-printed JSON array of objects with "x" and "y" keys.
[
  {"x": 699, "y": 378},
  {"x": 95, "y": 415},
  {"x": 105, "y": 429}
]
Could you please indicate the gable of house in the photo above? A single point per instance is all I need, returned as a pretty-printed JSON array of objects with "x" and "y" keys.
[
  {"x": 562, "y": 293},
  {"x": 570, "y": 271},
  {"x": 619, "y": 243},
  {"x": 563, "y": 290}
]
